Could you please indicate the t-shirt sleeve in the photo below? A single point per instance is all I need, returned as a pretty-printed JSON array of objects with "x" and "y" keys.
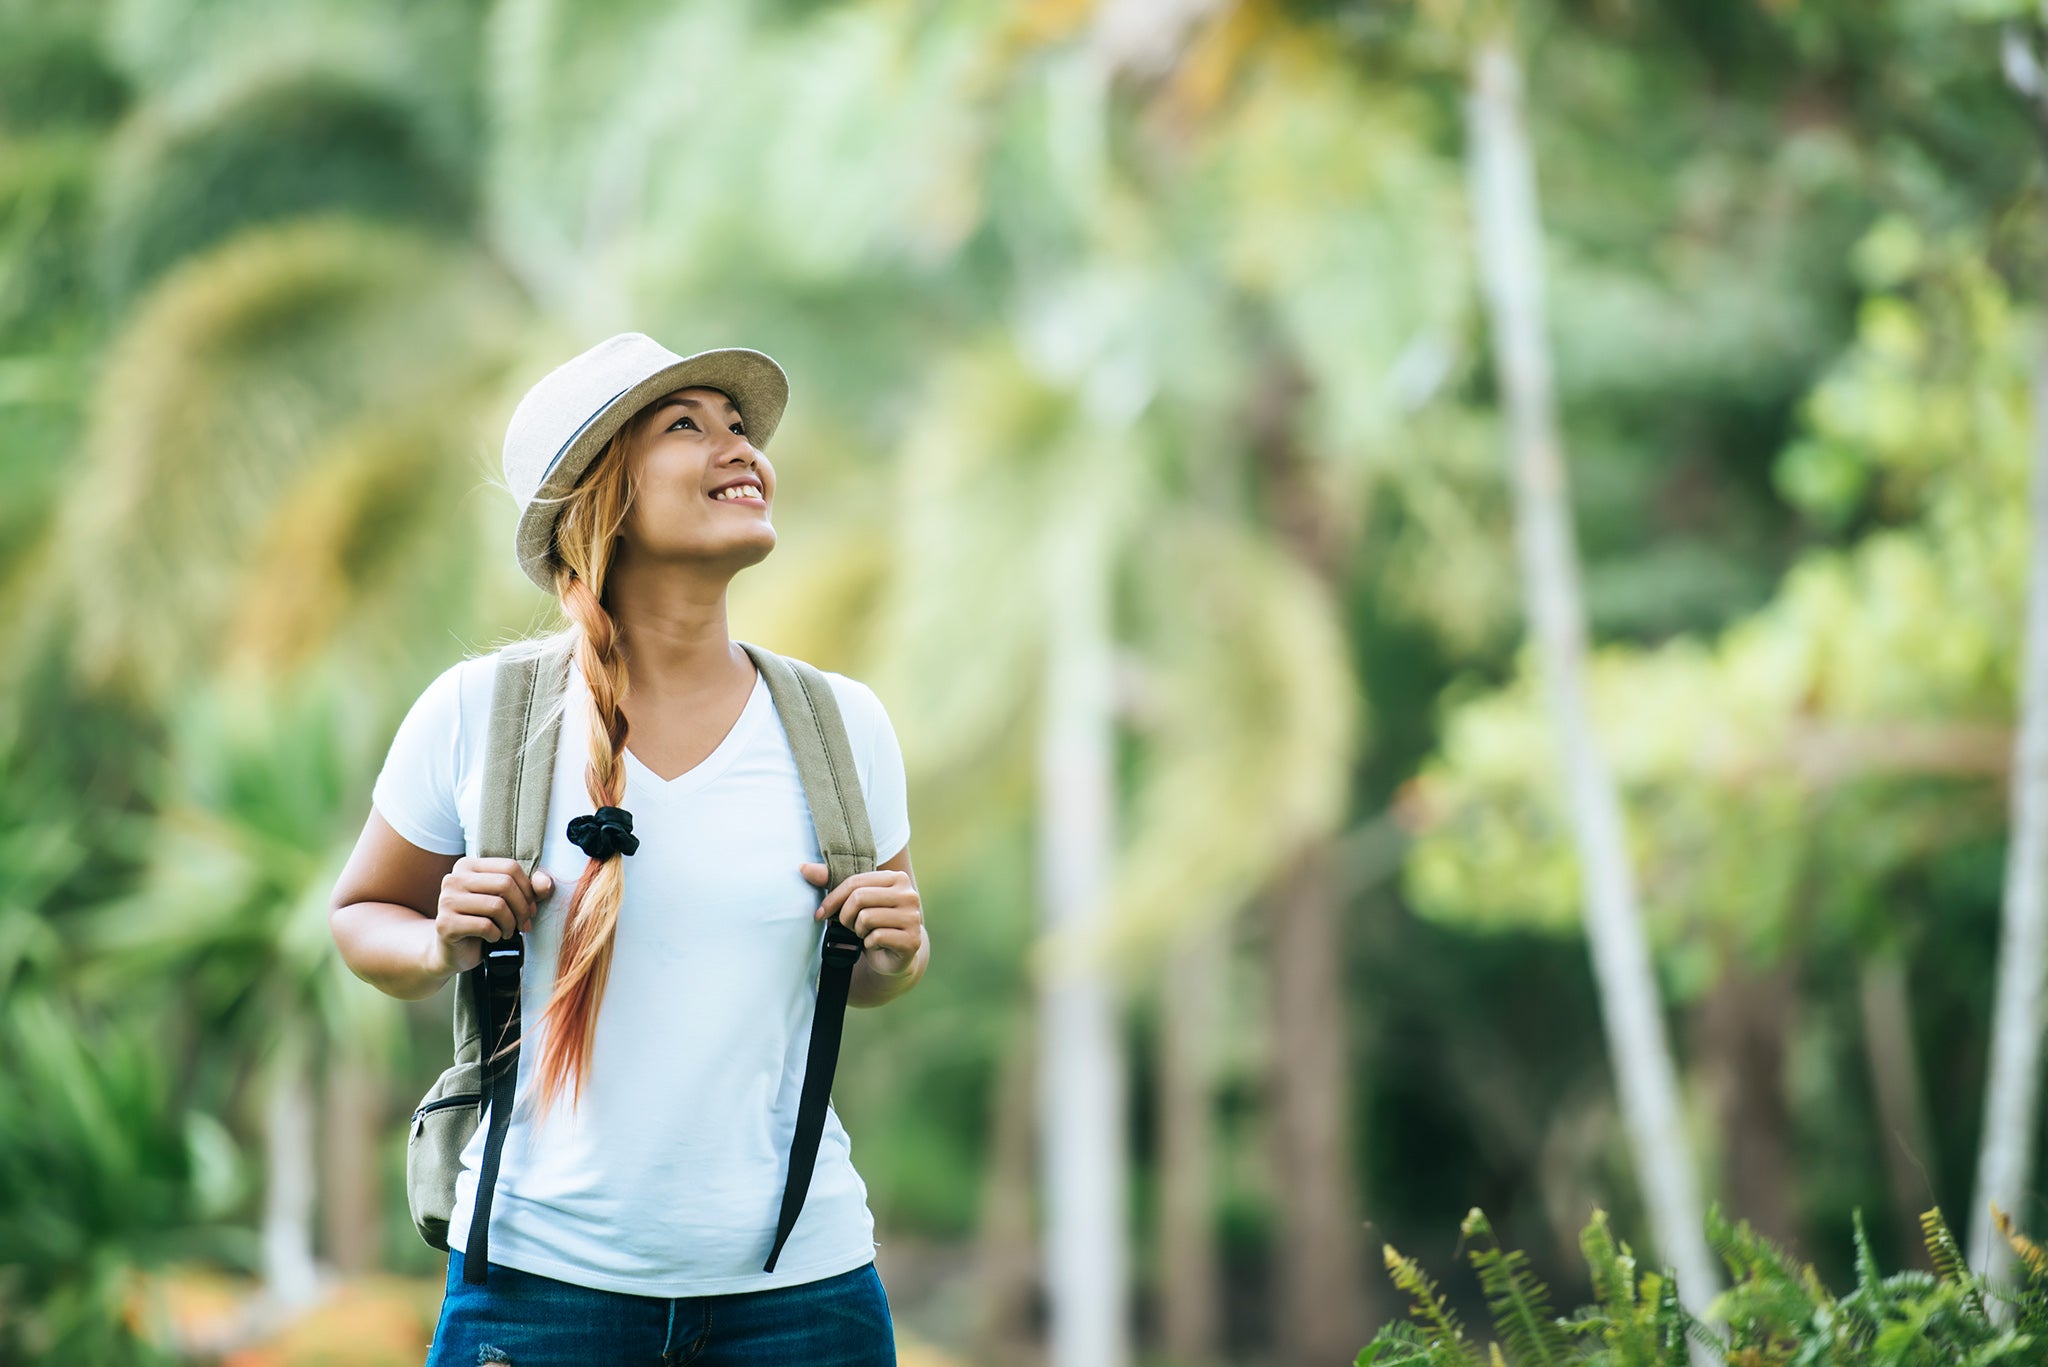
[
  {"x": 884, "y": 785},
  {"x": 415, "y": 791}
]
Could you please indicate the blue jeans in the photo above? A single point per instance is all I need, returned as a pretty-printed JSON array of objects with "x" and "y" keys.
[{"x": 522, "y": 1319}]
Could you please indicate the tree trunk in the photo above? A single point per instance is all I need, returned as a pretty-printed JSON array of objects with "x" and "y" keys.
[
  {"x": 1321, "y": 1272},
  {"x": 1744, "y": 1024},
  {"x": 290, "y": 1276},
  {"x": 1081, "y": 1072},
  {"x": 1510, "y": 264},
  {"x": 2012, "y": 1090},
  {"x": 1909, "y": 1156},
  {"x": 1190, "y": 1293},
  {"x": 1005, "y": 1248},
  {"x": 1326, "y": 1301},
  {"x": 350, "y": 1205}
]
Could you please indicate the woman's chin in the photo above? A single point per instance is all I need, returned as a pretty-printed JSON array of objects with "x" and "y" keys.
[{"x": 753, "y": 550}]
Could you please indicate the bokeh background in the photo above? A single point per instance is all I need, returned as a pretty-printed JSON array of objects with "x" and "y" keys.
[{"x": 1149, "y": 455}]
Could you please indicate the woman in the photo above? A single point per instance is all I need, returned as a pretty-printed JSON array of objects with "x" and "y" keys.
[{"x": 665, "y": 1013}]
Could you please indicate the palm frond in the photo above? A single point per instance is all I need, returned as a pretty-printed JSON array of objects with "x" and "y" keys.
[
  {"x": 1249, "y": 711},
  {"x": 219, "y": 396}
]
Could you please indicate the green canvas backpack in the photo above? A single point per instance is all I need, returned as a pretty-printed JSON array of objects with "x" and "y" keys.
[{"x": 519, "y": 764}]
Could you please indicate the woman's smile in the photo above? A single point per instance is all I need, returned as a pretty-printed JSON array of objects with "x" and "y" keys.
[{"x": 746, "y": 492}]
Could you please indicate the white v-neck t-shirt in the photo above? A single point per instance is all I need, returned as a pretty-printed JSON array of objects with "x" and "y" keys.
[{"x": 667, "y": 1178}]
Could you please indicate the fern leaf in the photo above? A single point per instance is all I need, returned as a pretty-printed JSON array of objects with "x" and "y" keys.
[
  {"x": 1772, "y": 1294},
  {"x": 1440, "y": 1326},
  {"x": 1670, "y": 1320},
  {"x": 1519, "y": 1302},
  {"x": 2030, "y": 1253},
  {"x": 1397, "y": 1345},
  {"x": 1613, "y": 1268},
  {"x": 1942, "y": 1249},
  {"x": 1866, "y": 1263}
]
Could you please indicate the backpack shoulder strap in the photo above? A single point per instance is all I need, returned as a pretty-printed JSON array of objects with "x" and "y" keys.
[
  {"x": 519, "y": 755},
  {"x": 519, "y": 766},
  {"x": 824, "y": 761},
  {"x": 519, "y": 769}
]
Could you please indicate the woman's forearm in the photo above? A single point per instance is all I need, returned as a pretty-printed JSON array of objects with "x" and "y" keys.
[{"x": 389, "y": 946}]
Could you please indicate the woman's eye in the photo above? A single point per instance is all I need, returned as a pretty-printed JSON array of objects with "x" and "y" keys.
[
  {"x": 686, "y": 418},
  {"x": 739, "y": 429}
]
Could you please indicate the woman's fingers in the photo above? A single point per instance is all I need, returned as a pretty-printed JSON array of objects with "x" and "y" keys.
[
  {"x": 894, "y": 883},
  {"x": 505, "y": 879},
  {"x": 484, "y": 907}
]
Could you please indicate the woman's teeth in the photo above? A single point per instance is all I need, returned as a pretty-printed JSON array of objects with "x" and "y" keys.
[{"x": 739, "y": 491}]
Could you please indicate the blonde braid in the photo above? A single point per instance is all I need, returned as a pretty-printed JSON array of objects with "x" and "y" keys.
[{"x": 585, "y": 536}]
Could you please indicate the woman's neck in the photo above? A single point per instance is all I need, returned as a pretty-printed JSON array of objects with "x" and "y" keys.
[{"x": 673, "y": 633}]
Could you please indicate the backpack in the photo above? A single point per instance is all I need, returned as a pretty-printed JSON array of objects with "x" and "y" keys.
[{"x": 519, "y": 764}]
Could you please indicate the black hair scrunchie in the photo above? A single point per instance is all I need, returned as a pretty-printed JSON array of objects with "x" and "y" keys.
[{"x": 607, "y": 832}]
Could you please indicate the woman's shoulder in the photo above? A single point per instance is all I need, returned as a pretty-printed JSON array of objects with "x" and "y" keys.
[
  {"x": 462, "y": 691},
  {"x": 476, "y": 674},
  {"x": 851, "y": 691},
  {"x": 464, "y": 684},
  {"x": 859, "y": 704}
]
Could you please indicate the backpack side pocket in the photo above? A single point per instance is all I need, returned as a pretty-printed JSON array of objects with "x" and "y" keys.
[{"x": 441, "y": 1128}]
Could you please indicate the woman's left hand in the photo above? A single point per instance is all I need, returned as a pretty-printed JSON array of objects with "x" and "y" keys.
[{"x": 882, "y": 907}]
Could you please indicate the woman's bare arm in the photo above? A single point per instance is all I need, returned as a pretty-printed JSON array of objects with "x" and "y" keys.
[{"x": 407, "y": 919}]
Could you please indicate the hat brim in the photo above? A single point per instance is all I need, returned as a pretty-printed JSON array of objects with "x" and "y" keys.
[{"x": 751, "y": 379}]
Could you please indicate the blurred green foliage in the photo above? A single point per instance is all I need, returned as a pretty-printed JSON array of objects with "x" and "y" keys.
[{"x": 272, "y": 274}]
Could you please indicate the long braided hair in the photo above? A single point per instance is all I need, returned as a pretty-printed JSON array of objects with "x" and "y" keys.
[{"x": 585, "y": 536}]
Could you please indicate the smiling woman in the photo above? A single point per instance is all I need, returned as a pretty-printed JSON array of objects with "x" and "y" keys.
[{"x": 654, "y": 1159}]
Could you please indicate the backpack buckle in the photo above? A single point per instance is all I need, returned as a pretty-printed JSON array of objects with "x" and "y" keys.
[{"x": 842, "y": 946}]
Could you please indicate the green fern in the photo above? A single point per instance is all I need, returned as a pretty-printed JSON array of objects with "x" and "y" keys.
[
  {"x": 2028, "y": 1299},
  {"x": 1777, "y": 1311},
  {"x": 1772, "y": 1295},
  {"x": 1866, "y": 1261},
  {"x": 1398, "y": 1345},
  {"x": 1519, "y": 1302},
  {"x": 2031, "y": 1255},
  {"x": 1947, "y": 1257},
  {"x": 1612, "y": 1265},
  {"x": 1440, "y": 1327},
  {"x": 1670, "y": 1323}
]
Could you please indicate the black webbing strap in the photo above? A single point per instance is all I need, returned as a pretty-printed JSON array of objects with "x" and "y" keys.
[
  {"x": 841, "y": 952},
  {"x": 824, "y": 761},
  {"x": 497, "y": 987}
]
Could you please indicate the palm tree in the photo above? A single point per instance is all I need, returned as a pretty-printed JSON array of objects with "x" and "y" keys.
[
  {"x": 2012, "y": 1088},
  {"x": 1510, "y": 253}
]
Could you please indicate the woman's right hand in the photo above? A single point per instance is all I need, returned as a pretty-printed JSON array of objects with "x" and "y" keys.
[{"x": 483, "y": 901}]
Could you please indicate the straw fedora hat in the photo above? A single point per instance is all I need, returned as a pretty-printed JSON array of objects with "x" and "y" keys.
[{"x": 571, "y": 412}]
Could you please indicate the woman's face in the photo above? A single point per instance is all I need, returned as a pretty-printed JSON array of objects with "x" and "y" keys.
[{"x": 701, "y": 490}]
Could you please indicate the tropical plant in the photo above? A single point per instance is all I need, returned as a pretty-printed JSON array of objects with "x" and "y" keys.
[
  {"x": 105, "y": 1176},
  {"x": 1777, "y": 1313}
]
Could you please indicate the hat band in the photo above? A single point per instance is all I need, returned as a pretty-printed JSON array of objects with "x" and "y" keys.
[{"x": 564, "y": 449}]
